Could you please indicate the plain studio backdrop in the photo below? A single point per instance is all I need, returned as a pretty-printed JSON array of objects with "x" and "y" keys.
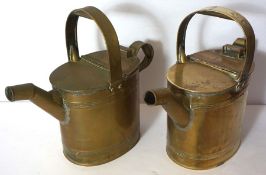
[
  {"x": 32, "y": 45},
  {"x": 32, "y": 36}
]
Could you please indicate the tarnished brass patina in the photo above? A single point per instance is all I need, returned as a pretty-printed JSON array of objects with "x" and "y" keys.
[
  {"x": 95, "y": 97},
  {"x": 206, "y": 97}
]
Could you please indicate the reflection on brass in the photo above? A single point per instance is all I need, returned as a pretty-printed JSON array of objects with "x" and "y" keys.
[
  {"x": 95, "y": 97},
  {"x": 206, "y": 97}
]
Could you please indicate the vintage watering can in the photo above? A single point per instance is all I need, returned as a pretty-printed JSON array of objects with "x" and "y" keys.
[
  {"x": 95, "y": 97},
  {"x": 206, "y": 97}
]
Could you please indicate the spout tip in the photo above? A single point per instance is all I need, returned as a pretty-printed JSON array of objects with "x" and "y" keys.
[
  {"x": 150, "y": 98},
  {"x": 157, "y": 96},
  {"x": 9, "y": 94},
  {"x": 19, "y": 92}
]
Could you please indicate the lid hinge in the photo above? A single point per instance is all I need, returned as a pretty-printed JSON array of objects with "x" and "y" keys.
[{"x": 237, "y": 50}]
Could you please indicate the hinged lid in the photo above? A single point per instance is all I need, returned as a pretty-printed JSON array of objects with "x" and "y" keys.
[
  {"x": 214, "y": 71},
  {"x": 199, "y": 78},
  {"x": 99, "y": 70},
  {"x": 91, "y": 72}
]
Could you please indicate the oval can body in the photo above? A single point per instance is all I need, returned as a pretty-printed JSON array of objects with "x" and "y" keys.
[
  {"x": 211, "y": 138},
  {"x": 102, "y": 126}
]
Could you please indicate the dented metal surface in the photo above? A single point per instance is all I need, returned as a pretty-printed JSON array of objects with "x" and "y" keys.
[
  {"x": 206, "y": 97},
  {"x": 95, "y": 97}
]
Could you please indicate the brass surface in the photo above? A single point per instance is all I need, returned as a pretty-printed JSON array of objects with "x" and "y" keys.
[
  {"x": 95, "y": 97},
  {"x": 199, "y": 78},
  {"x": 206, "y": 97},
  {"x": 222, "y": 13}
]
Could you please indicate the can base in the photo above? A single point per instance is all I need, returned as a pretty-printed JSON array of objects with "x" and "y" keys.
[
  {"x": 92, "y": 158},
  {"x": 201, "y": 163}
]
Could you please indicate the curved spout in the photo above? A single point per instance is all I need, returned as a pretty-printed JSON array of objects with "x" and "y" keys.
[
  {"x": 173, "y": 105},
  {"x": 37, "y": 96}
]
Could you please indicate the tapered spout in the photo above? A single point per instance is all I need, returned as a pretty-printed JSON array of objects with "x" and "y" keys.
[
  {"x": 171, "y": 103},
  {"x": 37, "y": 96}
]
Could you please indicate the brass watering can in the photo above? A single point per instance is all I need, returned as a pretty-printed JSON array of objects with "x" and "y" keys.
[
  {"x": 95, "y": 97},
  {"x": 206, "y": 97}
]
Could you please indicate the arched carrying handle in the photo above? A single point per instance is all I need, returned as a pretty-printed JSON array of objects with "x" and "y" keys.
[
  {"x": 147, "y": 50},
  {"x": 226, "y": 14},
  {"x": 109, "y": 34}
]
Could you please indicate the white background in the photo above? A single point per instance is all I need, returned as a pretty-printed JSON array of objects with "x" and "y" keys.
[
  {"x": 31, "y": 145},
  {"x": 33, "y": 44}
]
